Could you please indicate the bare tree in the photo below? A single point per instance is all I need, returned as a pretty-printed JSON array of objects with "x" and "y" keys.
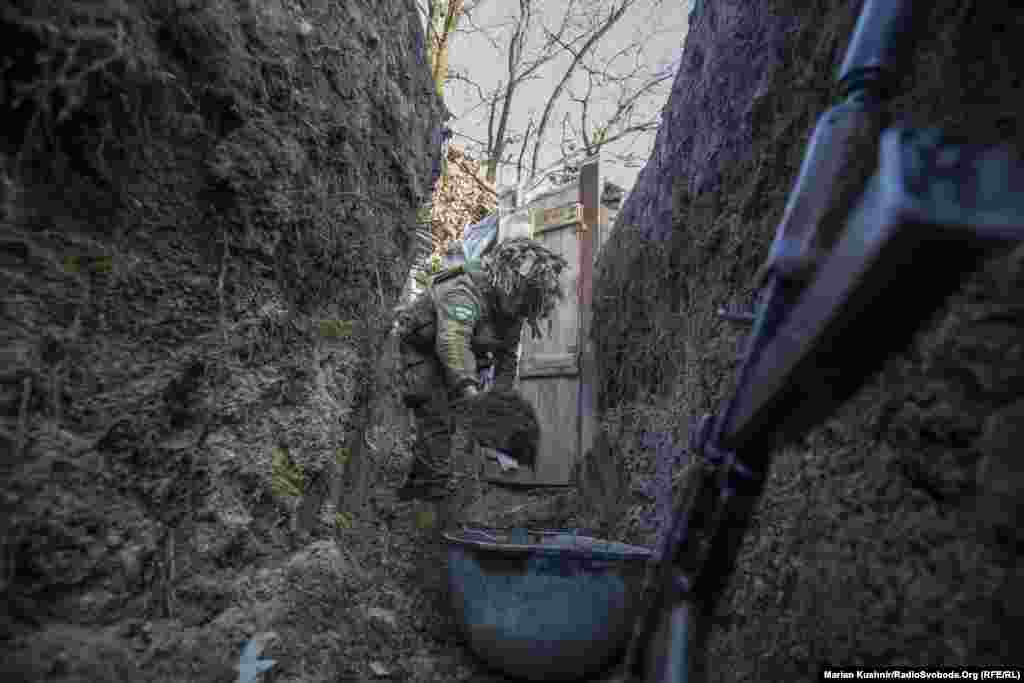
[
  {"x": 441, "y": 19},
  {"x": 523, "y": 59},
  {"x": 611, "y": 95}
]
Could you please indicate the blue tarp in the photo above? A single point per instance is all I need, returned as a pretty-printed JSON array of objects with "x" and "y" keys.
[{"x": 478, "y": 238}]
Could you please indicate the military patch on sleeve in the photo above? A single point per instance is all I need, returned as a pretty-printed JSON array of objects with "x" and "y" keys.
[{"x": 462, "y": 312}]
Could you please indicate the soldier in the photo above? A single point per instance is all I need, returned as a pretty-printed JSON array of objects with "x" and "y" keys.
[{"x": 470, "y": 317}]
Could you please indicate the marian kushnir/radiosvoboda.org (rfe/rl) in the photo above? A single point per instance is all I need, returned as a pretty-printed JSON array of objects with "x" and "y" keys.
[{"x": 922, "y": 674}]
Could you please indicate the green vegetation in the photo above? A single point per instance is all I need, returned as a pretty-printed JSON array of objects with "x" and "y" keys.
[
  {"x": 102, "y": 264},
  {"x": 425, "y": 519},
  {"x": 287, "y": 476},
  {"x": 72, "y": 264},
  {"x": 337, "y": 329},
  {"x": 342, "y": 520}
]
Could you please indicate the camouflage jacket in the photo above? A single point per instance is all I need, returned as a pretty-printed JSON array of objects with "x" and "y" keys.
[{"x": 459, "y": 317}]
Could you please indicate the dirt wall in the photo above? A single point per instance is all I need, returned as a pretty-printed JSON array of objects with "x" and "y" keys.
[
  {"x": 889, "y": 535},
  {"x": 206, "y": 208}
]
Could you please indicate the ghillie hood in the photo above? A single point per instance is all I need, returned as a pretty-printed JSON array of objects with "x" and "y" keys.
[{"x": 521, "y": 264}]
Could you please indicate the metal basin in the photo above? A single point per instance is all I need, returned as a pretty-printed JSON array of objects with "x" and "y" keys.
[{"x": 544, "y": 605}]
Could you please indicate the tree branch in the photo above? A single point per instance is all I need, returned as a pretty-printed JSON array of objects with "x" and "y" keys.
[
  {"x": 613, "y": 18},
  {"x": 626, "y": 104},
  {"x": 566, "y": 138},
  {"x": 615, "y": 101},
  {"x": 522, "y": 150}
]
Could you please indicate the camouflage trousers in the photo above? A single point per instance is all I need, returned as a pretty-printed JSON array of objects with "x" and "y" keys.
[{"x": 440, "y": 434}]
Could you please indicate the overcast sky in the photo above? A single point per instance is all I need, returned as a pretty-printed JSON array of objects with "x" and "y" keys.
[{"x": 661, "y": 31}]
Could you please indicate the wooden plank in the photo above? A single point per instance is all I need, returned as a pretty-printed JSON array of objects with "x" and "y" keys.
[
  {"x": 564, "y": 319},
  {"x": 590, "y": 197},
  {"x": 551, "y": 372},
  {"x": 556, "y": 202},
  {"x": 561, "y": 226},
  {"x": 571, "y": 227},
  {"x": 556, "y": 401},
  {"x": 549, "y": 363},
  {"x": 544, "y": 219}
]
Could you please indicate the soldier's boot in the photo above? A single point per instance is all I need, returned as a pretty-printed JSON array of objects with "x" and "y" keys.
[
  {"x": 424, "y": 482},
  {"x": 431, "y": 466}
]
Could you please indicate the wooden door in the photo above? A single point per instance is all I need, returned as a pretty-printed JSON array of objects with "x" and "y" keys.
[{"x": 551, "y": 375}]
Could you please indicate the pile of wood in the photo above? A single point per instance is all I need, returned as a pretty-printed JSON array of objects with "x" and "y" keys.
[{"x": 462, "y": 196}]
